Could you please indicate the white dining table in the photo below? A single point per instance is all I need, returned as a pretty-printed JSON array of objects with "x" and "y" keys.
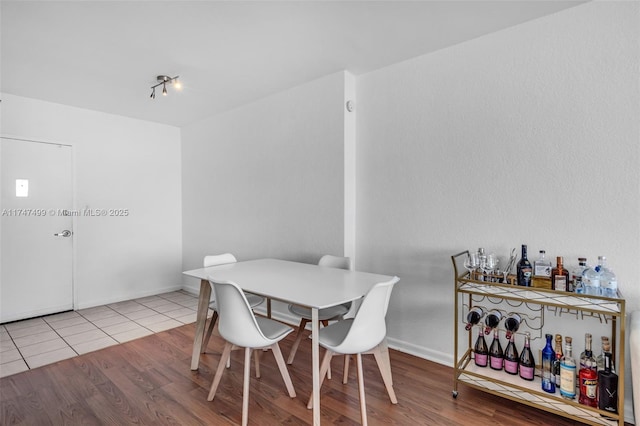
[{"x": 304, "y": 284}]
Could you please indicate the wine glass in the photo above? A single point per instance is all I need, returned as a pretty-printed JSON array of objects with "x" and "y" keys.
[
  {"x": 471, "y": 263},
  {"x": 490, "y": 264}
]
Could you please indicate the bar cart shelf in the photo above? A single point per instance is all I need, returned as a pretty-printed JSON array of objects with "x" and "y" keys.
[{"x": 469, "y": 290}]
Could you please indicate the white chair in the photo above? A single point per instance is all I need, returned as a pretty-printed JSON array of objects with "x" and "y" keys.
[
  {"x": 363, "y": 334},
  {"x": 240, "y": 328},
  {"x": 324, "y": 315},
  {"x": 253, "y": 299}
]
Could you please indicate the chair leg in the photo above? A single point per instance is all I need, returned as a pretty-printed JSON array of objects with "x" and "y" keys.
[
  {"x": 345, "y": 372},
  {"x": 226, "y": 352},
  {"x": 257, "y": 362},
  {"x": 363, "y": 404},
  {"x": 324, "y": 366},
  {"x": 277, "y": 354},
  {"x": 245, "y": 386},
  {"x": 207, "y": 334},
  {"x": 384, "y": 365},
  {"x": 294, "y": 348}
]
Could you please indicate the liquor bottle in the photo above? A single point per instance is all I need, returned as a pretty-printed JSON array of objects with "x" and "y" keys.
[
  {"x": 541, "y": 266},
  {"x": 473, "y": 317},
  {"x": 492, "y": 320},
  {"x": 548, "y": 356},
  {"x": 591, "y": 278},
  {"x": 568, "y": 371},
  {"x": 588, "y": 376},
  {"x": 576, "y": 284},
  {"x": 512, "y": 324},
  {"x": 524, "y": 269},
  {"x": 557, "y": 361},
  {"x": 481, "y": 351},
  {"x": 608, "y": 387},
  {"x": 511, "y": 357},
  {"x": 527, "y": 363},
  {"x": 600, "y": 358},
  {"x": 608, "y": 281},
  {"x": 560, "y": 276},
  {"x": 496, "y": 355}
]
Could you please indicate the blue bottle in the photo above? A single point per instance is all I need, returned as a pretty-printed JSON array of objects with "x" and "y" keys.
[{"x": 548, "y": 356}]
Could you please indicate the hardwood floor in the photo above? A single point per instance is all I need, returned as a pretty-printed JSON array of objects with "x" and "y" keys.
[{"x": 148, "y": 382}]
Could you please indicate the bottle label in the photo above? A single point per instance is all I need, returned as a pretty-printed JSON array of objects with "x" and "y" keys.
[
  {"x": 511, "y": 366},
  {"x": 542, "y": 269},
  {"x": 481, "y": 360},
  {"x": 560, "y": 283},
  {"x": 496, "y": 362},
  {"x": 568, "y": 380},
  {"x": 590, "y": 386},
  {"x": 526, "y": 372}
]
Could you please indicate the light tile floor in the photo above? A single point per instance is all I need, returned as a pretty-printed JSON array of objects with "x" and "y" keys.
[{"x": 39, "y": 341}]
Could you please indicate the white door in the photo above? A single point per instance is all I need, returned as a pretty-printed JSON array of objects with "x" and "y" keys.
[{"x": 36, "y": 231}]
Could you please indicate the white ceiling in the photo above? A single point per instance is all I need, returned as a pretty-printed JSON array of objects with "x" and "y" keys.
[{"x": 105, "y": 55}]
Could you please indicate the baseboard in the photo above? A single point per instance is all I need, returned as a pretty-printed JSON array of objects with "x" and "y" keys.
[{"x": 129, "y": 296}]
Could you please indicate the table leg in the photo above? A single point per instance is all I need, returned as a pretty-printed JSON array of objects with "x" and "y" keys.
[
  {"x": 315, "y": 352},
  {"x": 201, "y": 321}
]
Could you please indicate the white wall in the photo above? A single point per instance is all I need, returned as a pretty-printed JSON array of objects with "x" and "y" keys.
[
  {"x": 119, "y": 163},
  {"x": 267, "y": 179},
  {"x": 528, "y": 135}
]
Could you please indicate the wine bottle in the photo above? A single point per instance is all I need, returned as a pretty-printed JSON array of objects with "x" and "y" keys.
[
  {"x": 511, "y": 357},
  {"x": 527, "y": 365},
  {"x": 557, "y": 361},
  {"x": 473, "y": 317},
  {"x": 568, "y": 371},
  {"x": 492, "y": 320},
  {"x": 481, "y": 351},
  {"x": 588, "y": 376},
  {"x": 512, "y": 324},
  {"x": 559, "y": 276},
  {"x": 496, "y": 355},
  {"x": 608, "y": 387},
  {"x": 524, "y": 269},
  {"x": 548, "y": 356}
]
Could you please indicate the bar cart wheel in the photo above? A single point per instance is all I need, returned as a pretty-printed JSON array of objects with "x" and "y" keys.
[{"x": 454, "y": 394}]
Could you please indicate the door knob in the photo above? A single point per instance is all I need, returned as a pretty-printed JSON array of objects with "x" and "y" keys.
[{"x": 65, "y": 233}]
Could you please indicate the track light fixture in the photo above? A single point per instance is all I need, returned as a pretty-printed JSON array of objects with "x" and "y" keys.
[{"x": 163, "y": 80}]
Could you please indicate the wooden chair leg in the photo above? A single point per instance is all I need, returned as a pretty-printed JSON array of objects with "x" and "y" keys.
[
  {"x": 294, "y": 348},
  {"x": 277, "y": 354},
  {"x": 345, "y": 372},
  {"x": 363, "y": 404},
  {"x": 257, "y": 362},
  {"x": 324, "y": 366},
  {"x": 216, "y": 379},
  {"x": 207, "y": 334},
  {"x": 245, "y": 386},
  {"x": 385, "y": 370}
]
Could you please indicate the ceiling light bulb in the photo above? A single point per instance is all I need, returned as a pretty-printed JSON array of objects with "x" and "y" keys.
[
  {"x": 164, "y": 89},
  {"x": 177, "y": 84},
  {"x": 153, "y": 93}
]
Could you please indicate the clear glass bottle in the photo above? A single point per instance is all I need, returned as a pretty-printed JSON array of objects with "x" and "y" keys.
[
  {"x": 591, "y": 278},
  {"x": 524, "y": 269},
  {"x": 568, "y": 371},
  {"x": 608, "y": 281},
  {"x": 482, "y": 257},
  {"x": 511, "y": 357},
  {"x": 559, "y": 276},
  {"x": 527, "y": 366},
  {"x": 608, "y": 387},
  {"x": 512, "y": 324},
  {"x": 541, "y": 266},
  {"x": 557, "y": 361},
  {"x": 481, "y": 350},
  {"x": 576, "y": 284},
  {"x": 600, "y": 358},
  {"x": 588, "y": 376},
  {"x": 548, "y": 356},
  {"x": 496, "y": 355},
  {"x": 473, "y": 317}
]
